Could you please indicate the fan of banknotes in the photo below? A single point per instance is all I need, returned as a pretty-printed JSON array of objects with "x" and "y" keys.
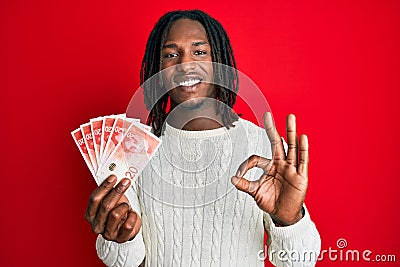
[{"x": 117, "y": 145}]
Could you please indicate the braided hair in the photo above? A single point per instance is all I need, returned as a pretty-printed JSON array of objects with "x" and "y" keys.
[{"x": 221, "y": 52}]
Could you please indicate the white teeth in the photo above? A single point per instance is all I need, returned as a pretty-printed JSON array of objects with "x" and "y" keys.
[{"x": 189, "y": 82}]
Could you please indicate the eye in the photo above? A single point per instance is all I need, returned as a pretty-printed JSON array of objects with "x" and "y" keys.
[
  {"x": 200, "y": 52},
  {"x": 170, "y": 55}
]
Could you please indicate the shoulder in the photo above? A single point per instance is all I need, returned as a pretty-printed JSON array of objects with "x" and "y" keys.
[
  {"x": 254, "y": 138},
  {"x": 250, "y": 127}
]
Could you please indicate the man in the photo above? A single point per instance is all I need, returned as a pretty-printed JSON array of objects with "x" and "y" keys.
[{"x": 183, "y": 211}]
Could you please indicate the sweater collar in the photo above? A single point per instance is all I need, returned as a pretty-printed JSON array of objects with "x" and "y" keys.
[{"x": 172, "y": 131}]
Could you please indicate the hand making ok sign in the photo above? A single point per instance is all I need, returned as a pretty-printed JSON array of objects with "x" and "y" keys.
[{"x": 282, "y": 187}]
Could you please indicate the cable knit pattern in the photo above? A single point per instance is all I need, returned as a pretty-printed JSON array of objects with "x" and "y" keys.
[
  {"x": 177, "y": 226},
  {"x": 197, "y": 221},
  {"x": 191, "y": 213}
]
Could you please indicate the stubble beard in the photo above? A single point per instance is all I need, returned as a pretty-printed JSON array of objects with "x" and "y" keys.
[{"x": 192, "y": 105}]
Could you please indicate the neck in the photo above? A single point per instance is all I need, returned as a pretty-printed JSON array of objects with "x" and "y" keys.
[{"x": 204, "y": 118}]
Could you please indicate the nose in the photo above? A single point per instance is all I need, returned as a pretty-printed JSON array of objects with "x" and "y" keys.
[{"x": 186, "y": 63}]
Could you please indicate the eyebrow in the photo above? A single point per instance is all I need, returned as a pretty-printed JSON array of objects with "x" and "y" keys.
[{"x": 173, "y": 45}]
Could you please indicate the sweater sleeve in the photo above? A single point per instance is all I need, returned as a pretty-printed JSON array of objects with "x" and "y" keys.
[
  {"x": 130, "y": 253},
  {"x": 297, "y": 245}
]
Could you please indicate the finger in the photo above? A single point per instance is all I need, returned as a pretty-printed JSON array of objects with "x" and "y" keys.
[
  {"x": 304, "y": 158},
  {"x": 97, "y": 196},
  {"x": 108, "y": 203},
  {"x": 248, "y": 164},
  {"x": 114, "y": 219},
  {"x": 274, "y": 137},
  {"x": 244, "y": 185},
  {"x": 124, "y": 199},
  {"x": 130, "y": 228},
  {"x": 292, "y": 139},
  {"x": 251, "y": 162}
]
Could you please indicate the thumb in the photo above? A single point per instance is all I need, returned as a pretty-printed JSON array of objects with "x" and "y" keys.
[{"x": 241, "y": 183}]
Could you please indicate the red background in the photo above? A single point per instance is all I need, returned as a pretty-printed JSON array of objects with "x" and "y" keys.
[{"x": 334, "y": 64}]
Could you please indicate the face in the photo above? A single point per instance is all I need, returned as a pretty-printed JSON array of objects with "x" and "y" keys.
[
  {"x": 187, "y": 65},
  {"x": 131, "y": 144}
]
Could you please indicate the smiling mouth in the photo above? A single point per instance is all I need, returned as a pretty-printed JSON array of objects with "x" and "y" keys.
[{"x": 189, "y": 83}]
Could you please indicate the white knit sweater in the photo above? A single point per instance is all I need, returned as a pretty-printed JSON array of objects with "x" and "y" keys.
[{"x": 193, "y": 216}]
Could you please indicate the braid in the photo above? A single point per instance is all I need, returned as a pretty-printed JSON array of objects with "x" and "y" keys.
[{"x": 221, "y": 52}]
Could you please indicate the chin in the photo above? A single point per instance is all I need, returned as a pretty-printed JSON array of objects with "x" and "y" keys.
[{"x": 192, "y": 104}]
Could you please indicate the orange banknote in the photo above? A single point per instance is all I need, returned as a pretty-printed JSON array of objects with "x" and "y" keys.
[
  {"x": 131, "y": 154},
  {"x": 116, "y": 145}
]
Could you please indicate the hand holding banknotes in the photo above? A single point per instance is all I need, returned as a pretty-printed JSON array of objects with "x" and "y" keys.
[
  {"x": 109, "y": 211},
  {"x": 115, "y": 149}
]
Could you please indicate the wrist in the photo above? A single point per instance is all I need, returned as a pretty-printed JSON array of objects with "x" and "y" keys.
[{"x": 281, "y": 223}]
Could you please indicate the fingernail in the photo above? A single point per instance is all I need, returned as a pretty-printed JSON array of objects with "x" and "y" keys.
[
  {"x": 125, "y": 182},
  {"x": 238, "y": 173},
  {"x": 111, "y": 179},
  {"x": 235, "y": 180}
]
